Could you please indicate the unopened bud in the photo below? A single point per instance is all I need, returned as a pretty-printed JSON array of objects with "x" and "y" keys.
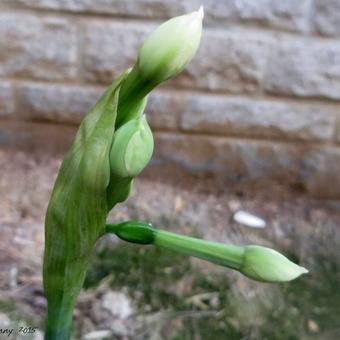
[
  {"x": 164, "y": 54},
  {"x": 132, "y": 148},
  {"x": 170, "y": 47},
  {"x": 265, "y": 264},
  {"x": 256, "y": 262}
]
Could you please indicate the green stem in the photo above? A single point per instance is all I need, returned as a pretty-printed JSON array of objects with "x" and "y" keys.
[
  {"x": 52, "y": 334},
  {"x": 219, "y": 253},
  {"x": 132, "y": 92},
  {"x": 142, "y": 233},
  {"x": 59, "y": 322}
]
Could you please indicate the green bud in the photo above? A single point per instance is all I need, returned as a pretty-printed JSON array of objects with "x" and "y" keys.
[
  {"x": 265, "y": 264},
  {"x": 133, "y": 231},
  {"x": 132, "y": 148},
  {"x": 170, "y": 47},
  {"x": 256, "y": 262}
]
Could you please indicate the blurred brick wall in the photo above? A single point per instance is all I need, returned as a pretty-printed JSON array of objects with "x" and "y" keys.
[{"x": 260, "y": 100}]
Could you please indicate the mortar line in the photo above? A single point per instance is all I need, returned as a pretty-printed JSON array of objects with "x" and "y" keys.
[
  {"x": 182, "y": 91},
  {"x": 190, "y": 134}
]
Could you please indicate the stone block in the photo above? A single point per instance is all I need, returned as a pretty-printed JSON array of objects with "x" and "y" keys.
[
  {"x": 304, "y": 68},
  {"x": 288, "y": 15},
  {"x": 110, "y": 48},
  {"x": 69, "y": 104},
  {"x": 236, "y": 161},
  {"x": 36, "y": 137},
  {"x": 246, "y": 117},
  {"x": 319, "y": 172},
  {"x": 56, "y": 103},
  {"x": 138, "y": 8},
  {"x": 326, "y": 17},
  {"x": 7, "y": 102},
  {"x": 32, "y": 46},
  {"x": 163, "y": 110},
  {"x": 227, "y": 61}
]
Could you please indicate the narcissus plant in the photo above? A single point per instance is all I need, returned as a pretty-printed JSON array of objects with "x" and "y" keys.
[{"x": 113, "y": 145}]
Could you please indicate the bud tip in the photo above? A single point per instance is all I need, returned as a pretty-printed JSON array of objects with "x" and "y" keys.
[
  {"x": 304, "y": 270},
  {"x": 200, "y": 12}
]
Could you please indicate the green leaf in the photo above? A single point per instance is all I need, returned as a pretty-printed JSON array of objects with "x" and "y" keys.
[{"x": 77, "y": 210}]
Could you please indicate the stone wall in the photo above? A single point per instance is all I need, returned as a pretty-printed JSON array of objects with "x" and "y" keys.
[{"x": 261, "y": 100}]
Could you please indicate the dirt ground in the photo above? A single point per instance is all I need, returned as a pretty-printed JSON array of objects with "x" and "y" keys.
[{"x": 296, "y": 225}]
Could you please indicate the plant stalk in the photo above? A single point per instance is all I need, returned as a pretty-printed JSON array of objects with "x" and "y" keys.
[
  {"x": 138, "y": 232},
  {"x": 59, "y": 322},
  {"x": 132, "y": 92}
]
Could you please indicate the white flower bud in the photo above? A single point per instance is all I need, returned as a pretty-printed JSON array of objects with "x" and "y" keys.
[
  {"x": 170, "y": 47},
  {"x": 265, "y": 264}
]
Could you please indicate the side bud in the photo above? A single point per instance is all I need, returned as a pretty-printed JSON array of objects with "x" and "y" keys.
[
  {"x": 132, "y": 148},
  {"x": 256, "y": 262},
  {"x": 267, "y": 265},
  {"x": 170, "y": 47}
]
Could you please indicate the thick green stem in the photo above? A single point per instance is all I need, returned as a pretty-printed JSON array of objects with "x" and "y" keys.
[
  {"x": 132, "y": 92},
  {"x": 52, "y": 333},
  {"x": 142, "y": 233},
  {"x": 219, "y": 253},
  {"x": 59, "y": 322}
]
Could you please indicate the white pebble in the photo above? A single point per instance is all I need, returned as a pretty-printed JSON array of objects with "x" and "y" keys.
[
  {"x": 98, "y": 335},
  {"x": 249, "y": 220}
]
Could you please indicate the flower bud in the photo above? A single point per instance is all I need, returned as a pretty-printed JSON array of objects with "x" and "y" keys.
[
  {"x": 170, "y": 47},
  {"x": 267, "y": 265},
  {"x": 256, "y": 262},
  {"x": 133, "y": 231},
  {"x": 163, "y": 55},
  {"x": 132, "y": 148}
]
